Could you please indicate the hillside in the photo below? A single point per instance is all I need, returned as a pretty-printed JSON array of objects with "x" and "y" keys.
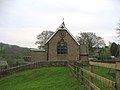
[
  {"x": 13, "y": 54},
  {"x": 47, "y": 78},
  {"x": 13, "y": 51}
]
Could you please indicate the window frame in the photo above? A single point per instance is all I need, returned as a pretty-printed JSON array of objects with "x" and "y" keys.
[{"x": 62, "y": 47}]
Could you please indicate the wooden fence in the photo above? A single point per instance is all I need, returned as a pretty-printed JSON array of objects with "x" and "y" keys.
[
  {"x": 80, "y": 73},
  {"x": 77, "y": 68}
]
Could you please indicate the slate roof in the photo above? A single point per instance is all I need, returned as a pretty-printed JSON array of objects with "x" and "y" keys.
[
  {"x": 37, "y": 50},
  {"x": 62, "y": 27}
]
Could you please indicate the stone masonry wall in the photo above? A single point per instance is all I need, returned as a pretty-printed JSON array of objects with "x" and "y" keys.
[
  {"x": 32, "y": 66},
  {"x": 38, "y": 56},
  {"x": 72, "y": 46}
]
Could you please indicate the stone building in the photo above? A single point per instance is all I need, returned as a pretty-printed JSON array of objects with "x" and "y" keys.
[{"x": 60, "y": 46}]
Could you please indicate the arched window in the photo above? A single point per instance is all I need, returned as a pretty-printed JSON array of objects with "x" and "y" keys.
[{"x": 62, "y": 47}]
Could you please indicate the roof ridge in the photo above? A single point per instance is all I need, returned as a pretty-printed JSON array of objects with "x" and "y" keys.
[{"x": 62, "y": 26}]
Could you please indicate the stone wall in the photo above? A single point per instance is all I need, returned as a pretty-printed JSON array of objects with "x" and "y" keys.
[
  {"x": 72, "y": 47},
  {"x": 32, "y": 66},
  {"x": 38, "y": 56},
  {"x": 84, "y": 57}
]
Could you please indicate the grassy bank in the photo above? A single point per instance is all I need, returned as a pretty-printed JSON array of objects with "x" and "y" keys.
[{"x": 51, "y": 78}]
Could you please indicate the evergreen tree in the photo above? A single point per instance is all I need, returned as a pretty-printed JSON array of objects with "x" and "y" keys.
[{"x": 114, "y": 49}]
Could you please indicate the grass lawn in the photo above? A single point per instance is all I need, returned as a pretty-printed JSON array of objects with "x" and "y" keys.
[
  {"x": 104, "y": 72},
  {"x": 47, "y": 78}
]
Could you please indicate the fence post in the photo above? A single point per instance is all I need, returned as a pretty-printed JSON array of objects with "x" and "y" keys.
[
  {"x": 77, "y": 69},
  {"x": 118, "y": 76},
  {"x": 81, "y": 72},
  {"x": 91, "y": 78}
]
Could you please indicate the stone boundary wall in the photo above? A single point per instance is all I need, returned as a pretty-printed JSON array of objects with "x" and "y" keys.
[{"x": 32, "y": 66}]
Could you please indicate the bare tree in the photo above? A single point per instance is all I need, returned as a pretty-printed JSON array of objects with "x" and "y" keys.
[
  {"x": 42, "y": 38},
  {"x": 90, "y": 40}
]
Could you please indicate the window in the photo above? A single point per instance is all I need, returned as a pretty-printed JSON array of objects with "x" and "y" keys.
[{"x": 62, "y": 47}]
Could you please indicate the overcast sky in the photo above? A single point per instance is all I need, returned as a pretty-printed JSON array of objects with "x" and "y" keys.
[{"x": 22, "y": 20}]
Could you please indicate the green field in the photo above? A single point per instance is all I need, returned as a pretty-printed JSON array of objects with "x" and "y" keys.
[
  {"x": 47, "y": 78},
  {"x": 104, "y": 72}
]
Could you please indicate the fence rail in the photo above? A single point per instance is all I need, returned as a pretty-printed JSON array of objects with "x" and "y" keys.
[
  {"x": 79, "y": 72},
  {"x": 102, "y": 79},
  {"x": 106, "y": 65}
]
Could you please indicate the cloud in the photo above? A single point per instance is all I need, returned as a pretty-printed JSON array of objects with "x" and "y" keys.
[
  {"x": 25, "y": 37},
  {"x": 22, "y": 20}
]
